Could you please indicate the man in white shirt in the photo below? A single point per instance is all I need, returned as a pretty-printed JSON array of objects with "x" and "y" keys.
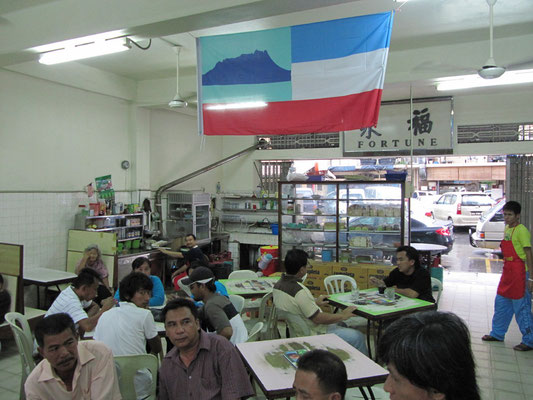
[
  {"x": 127, "y": 328},
  {"x": 76, "y": 301}
]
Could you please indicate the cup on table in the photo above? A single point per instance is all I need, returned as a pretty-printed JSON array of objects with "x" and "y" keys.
[
  {"x": 381, "y": 289},
  {"x": 389, "y": 293},
  {"x": 354, "y": 295}
]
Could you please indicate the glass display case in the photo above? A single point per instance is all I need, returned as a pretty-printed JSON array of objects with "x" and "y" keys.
[
  {"x": 342, "y": 221},
  {"x": 189, "y": 213}
]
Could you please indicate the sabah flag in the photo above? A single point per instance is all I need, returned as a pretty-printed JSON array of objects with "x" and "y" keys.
[{"x": 321, "y": 77}]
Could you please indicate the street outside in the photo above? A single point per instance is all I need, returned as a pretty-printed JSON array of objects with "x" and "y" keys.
[{"x": 466, "y": 258}]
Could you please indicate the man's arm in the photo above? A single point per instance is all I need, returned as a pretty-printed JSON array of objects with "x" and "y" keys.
[
  {"x": 324, "y": 318},
  {"x": 407, "y": 292},
  {"x": 88, "y": 324},
  {"x": 227, "y": 332},
  {"x": 104, "y": 380},
  {"x": 155, "y": 345},
  {"x": 529, "y": 263},
  {"x": 175, "y": 254}
]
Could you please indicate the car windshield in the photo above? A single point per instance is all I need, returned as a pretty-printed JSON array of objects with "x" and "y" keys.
[
  {"x": 493, "y": 208},
  {"x": 476, "y": 200}
]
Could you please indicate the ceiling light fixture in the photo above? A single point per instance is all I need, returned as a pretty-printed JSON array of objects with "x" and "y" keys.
[
  {"x": 232, "y": 106},
  {"x": 475, "y": 81},
  {"x": 86, "y": 50}
]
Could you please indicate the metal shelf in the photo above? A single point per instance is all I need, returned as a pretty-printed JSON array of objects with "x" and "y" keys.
[{"x": 116, "y": 216}]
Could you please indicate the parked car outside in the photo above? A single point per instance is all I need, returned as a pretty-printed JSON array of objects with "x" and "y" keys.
[
  {"x": 462, "y": 208},
  {"x": 423, "y": 201},
  {"x": 489, "y": 229},
  {"x": 423, "y": 230}
]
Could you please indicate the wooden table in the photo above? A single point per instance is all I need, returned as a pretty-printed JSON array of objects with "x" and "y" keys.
[
  {"x": 249, "y": 288},
  {"x": 379, "y": 313},
  {"x": 275, "y": 375},
  {"x": 46, "y": 277}
]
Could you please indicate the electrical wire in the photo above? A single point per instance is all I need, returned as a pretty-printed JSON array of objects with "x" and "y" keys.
[{"x": 140, "y": 47}]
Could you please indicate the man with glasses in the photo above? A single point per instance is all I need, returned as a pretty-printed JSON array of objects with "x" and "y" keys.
[{"x": 294, "y": 301}]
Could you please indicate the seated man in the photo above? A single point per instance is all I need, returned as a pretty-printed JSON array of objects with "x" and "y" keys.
[
  {"x": 218, "y": 314},
  {"x": 76, "y": 301},
  {"x": 428, "y": 356},
  {"x": 201, "y": 366},
  {"x": 220, "y": 288},
  {"x": 320, "y": 375},
  {"x": 70, "y": 369},
  {"x": 291, "y": 296},
  {"x": 194, "y": 253},
  {"x": 409, "y": 278},
  {"x": 127, "y": 329},
  {"x": 142, "y": 264}
]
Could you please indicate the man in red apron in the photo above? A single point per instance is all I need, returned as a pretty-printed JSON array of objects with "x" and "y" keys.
[{"x": 514, "y": 291}]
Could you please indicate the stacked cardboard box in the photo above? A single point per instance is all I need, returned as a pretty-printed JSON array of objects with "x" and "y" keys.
[{"x": 360, "y": 272}]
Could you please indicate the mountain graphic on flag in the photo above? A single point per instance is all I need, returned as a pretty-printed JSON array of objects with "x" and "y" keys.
[
  {"x": 252, "y": 68},
  {"x": 321, "y": 77}
]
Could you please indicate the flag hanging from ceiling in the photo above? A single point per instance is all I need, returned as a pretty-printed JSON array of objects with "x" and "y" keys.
[{"x": 321, "y": 77}]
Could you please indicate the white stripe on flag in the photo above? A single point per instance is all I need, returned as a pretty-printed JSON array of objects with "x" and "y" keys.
[{"x": 336, "y": 77}]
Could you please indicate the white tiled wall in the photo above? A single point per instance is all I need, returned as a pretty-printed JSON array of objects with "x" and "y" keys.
[{"x": 40, "y": 222}]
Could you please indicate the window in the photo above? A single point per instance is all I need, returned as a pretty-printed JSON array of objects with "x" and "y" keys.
[{"x": 271, "y": 172}]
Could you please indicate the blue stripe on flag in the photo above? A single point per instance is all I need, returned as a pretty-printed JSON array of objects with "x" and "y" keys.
[{"x": 341, "y": 37}]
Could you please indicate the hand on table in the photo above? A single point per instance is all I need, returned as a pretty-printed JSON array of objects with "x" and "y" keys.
[
  {"x": 348, "y": 312},
  {"x": 377, "y": 282},
  {"x": 108, "y": 303},
  {"x": 321, "y": 301}
]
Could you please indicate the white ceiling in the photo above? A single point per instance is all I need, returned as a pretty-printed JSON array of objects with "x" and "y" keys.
[{"x": 431, "y": 38}]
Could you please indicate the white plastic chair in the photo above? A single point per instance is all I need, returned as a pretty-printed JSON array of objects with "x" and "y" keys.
[
  {"x": 24, "y": 341},
  {"x": 254, "y": 334},
  {"x": 127, "y": 367},
  {"x": 184, "y": 287},
  {"x": 237, "y": 301},
  {"x": 336, "y": 283},
  {"x": 436, "y": 283},
  {"x": 243, "y": 274}
]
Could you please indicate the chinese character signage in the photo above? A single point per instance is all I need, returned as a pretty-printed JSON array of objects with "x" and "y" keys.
[{"x": 428, "y": 130}]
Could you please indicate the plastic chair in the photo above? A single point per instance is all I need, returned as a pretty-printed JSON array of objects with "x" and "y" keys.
[
  {"x": 127, "y": 367},
  {"x": 255, "y": 333},
  {"x": 336, "y": 283},
  {"x": 295, "y": 323},
  {"x": 243, "y": 274},
  {"x": 184, "y": 287},
  {"x": 24, "y": 341},
  {"x": 237, "y": 301},
  {"x": 438, "y": 284}
]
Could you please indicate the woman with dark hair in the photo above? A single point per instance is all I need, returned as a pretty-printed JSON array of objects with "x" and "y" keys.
[{"x": 429, "y": 358}]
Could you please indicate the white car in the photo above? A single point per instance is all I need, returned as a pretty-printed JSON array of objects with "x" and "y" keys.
[
  {"x": 490, "y": 228},
  {"x": 462, "y": 208}
]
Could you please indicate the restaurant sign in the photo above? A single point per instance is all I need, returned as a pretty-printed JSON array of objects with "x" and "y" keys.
[{"x": 428, "y": 131}]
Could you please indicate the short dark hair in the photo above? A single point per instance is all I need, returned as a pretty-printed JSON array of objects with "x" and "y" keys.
[
  {"x": 190, "y": 234},
  {"x": 53, "y": 325},
  {"x": 411, "y": 253},
  {"x": 513, "y": 206},
  {"x": 432, "y": 350},
  {"x": 140, "y": 261},
  {"x": 211, "y": 286},
  {"x": 180, "y": 303},
  {"x": 294, "y": 260},
  {"x": 328, "y": 368},
  {"x": 87, "y": 277},
  {"x": 132, "y": 283}
]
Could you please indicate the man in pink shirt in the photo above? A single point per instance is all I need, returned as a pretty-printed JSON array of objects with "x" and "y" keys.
[{"x": 70, "y": 369}]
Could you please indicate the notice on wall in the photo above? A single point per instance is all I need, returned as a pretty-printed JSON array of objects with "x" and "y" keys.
[{"x": 429, "y": 130}]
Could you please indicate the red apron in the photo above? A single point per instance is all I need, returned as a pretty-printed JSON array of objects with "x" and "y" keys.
[{"x": 513, "y": 282}]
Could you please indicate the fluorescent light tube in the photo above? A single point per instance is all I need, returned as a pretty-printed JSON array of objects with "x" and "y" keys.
[
  {"x": 232, "y": 106},
  {"x": 93, "y": 49},
  {"x": 475, "y": 81}
]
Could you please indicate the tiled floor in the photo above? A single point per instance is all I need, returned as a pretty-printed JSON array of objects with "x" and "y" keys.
[{"x": 504, "y": 374}]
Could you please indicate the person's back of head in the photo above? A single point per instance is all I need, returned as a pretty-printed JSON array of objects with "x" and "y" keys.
[
  {"x": 294, "y": 260},
  {"x": 132, "y": 283},
  {"x": 86, "y": 277},
  {"x": 330, "y": 372},
  {"x": 432, "y": 351},
  {"x": 53, "y": 325},
  {"x": 513, "y": 206}
]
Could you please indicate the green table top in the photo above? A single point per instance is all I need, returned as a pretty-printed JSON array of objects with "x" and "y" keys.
[
  {"x": 248, "y": 287},
  {"x": 373, "y": 304}
]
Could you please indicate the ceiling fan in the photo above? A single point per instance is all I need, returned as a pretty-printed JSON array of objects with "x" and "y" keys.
[
  {"x": 490, "y": 70},
  {"x": 178, "y": 101}
]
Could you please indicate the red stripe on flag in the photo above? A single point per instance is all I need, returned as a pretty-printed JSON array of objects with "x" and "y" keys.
[{"x": 298, "y": 116}]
